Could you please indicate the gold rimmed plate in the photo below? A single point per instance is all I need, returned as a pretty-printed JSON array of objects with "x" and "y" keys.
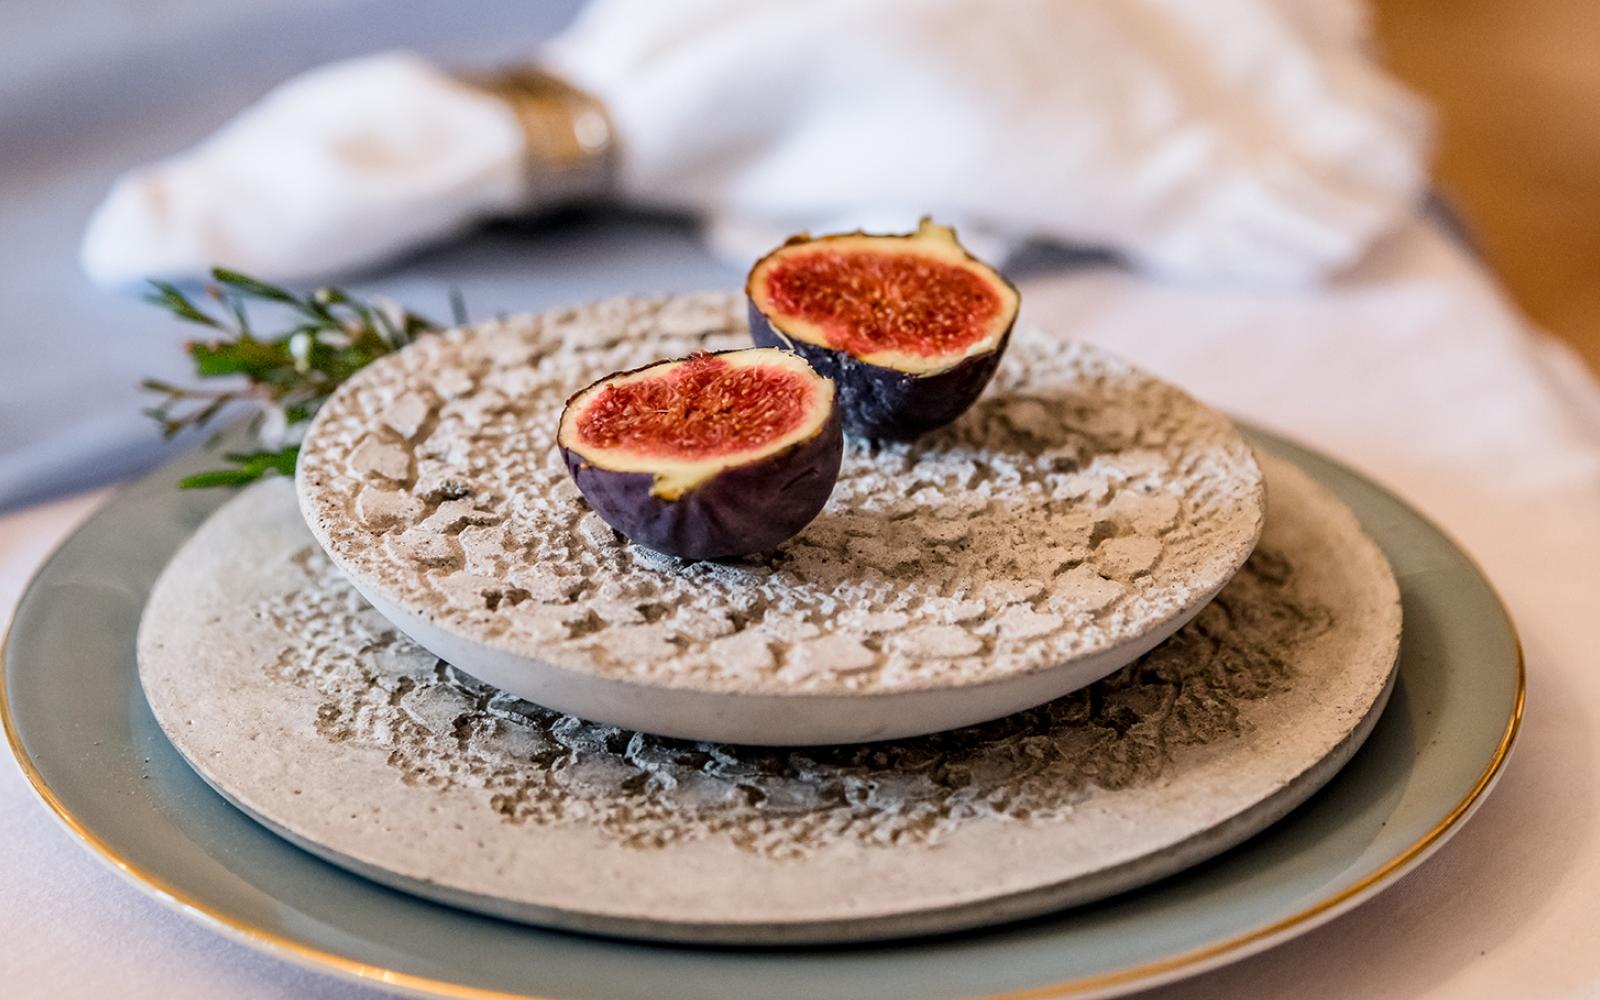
[{"x": 78, "y": 723}]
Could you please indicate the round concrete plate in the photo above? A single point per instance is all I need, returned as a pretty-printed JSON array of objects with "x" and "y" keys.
[
  {"x": 303, "y": 706},
  {"x": 84, "y": 737},
  {"x": 1077, "y": 515}
]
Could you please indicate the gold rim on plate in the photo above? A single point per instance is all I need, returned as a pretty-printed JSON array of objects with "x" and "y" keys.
[{"x": 1149, "y": 973}]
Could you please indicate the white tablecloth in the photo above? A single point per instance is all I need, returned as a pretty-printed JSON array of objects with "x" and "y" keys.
[{"x": 1412, "y": 369}]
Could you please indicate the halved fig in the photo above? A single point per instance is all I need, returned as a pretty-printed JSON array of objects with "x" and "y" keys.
[
  {"x": 708, "y": 456},
  {"x": 912, "y": 327}
]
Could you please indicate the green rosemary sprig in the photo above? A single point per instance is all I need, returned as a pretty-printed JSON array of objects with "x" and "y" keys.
[{"x": 285, "y": 376}]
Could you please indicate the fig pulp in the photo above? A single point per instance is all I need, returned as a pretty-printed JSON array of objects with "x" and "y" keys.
[
  {"x": 709, "y": 456},
  {"x": 911, "y": 327}
]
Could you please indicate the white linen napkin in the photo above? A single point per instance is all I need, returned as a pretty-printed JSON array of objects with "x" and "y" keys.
[
  {"x": 341, "y": 167},
  {"x": 1247, "y": 140}
]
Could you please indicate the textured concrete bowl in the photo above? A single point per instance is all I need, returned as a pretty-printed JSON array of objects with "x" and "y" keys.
[{"x": 1076, "y": 516}]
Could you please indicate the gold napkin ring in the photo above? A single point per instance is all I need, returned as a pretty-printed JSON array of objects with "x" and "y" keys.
[{"x": 569, "y": 141}]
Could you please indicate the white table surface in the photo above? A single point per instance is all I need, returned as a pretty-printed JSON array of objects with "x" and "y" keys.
[{"x": 1412, "y": 369}]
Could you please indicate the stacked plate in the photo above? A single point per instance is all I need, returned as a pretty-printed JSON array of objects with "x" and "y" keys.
[{"x": 1079, "y": 641}]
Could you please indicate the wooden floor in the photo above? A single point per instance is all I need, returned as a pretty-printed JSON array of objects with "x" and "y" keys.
[{"x": 1516, "y": 84}]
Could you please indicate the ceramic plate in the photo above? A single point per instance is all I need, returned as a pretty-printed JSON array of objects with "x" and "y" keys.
[{"x": 1435, "y": 752}]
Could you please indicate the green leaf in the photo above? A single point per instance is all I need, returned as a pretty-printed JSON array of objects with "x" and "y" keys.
[
  {"x": 234, "y": 303},
  {"x": 239, "y": 357},
  {"x": 281, "y": 460},
  {"x": 333, "y": 336},
  {"x": 203, "y": 416},
  {"x": 218, "y": 477},
  {"x": 252, "y": 466},
  {"x": 332, "y": 298},
  {"x": 170, "y": 298},
  {"x": 253, "y": 288}
]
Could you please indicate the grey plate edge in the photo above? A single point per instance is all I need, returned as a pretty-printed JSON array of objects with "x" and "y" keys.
[{"x": 1145, "y": 975}]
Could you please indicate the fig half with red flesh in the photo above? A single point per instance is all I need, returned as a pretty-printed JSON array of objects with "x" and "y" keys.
[
  {"x": 709, "y": 456},
  {"x": 911, "y": 327}
]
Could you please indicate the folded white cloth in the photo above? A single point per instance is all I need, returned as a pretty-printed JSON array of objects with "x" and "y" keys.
[
  {"x": 341, "y": 167},
  {"x": 1237, "y": 139}
]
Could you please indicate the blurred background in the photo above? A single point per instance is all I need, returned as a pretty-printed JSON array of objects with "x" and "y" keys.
[
  {"x": 88, "y": 97},
  {"x": 1514, "y": 87}
]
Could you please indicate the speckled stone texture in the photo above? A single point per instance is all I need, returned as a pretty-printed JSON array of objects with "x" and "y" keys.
[
  {"x": 288, "y": 693},
  {"x": 1079, "y": 504}
]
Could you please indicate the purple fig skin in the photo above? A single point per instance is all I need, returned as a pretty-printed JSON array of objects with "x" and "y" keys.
[
  {"x": 742, "y": 510},
  {"x": 883, "y": 403}
]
